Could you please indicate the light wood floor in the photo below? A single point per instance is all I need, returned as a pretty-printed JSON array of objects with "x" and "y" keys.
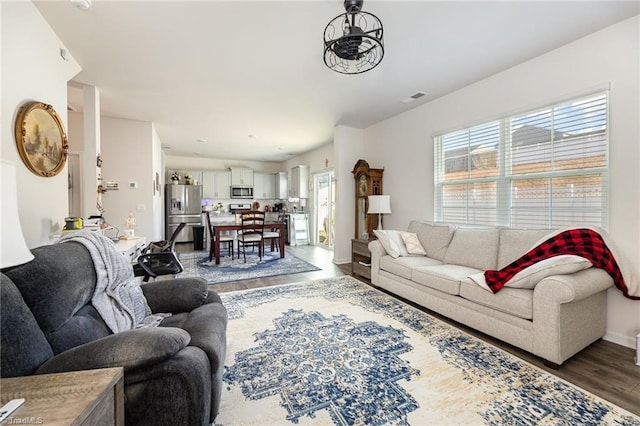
[{"x": 604, "y": 368}]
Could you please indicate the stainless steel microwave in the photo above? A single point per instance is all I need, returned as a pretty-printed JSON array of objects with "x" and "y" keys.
[{"x": 241, "y": 192}]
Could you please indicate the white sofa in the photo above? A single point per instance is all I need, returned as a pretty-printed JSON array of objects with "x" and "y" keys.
[{"x": 560, "y": 316}]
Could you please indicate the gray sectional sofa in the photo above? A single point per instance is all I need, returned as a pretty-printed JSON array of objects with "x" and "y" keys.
[{"x": 559, "y": 316}]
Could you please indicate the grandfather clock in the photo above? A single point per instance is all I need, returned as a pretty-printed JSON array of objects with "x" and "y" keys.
[{"x": 368, "y": 182}]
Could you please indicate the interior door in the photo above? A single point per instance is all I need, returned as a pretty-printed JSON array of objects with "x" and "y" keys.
[
  {"x": 75, "y": 182},
  {"x": 325, "y": 185}
]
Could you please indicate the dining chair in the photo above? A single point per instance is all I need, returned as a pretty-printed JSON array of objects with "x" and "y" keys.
[
  {"x": 226, "y": 239},
  {"x": 252, "y": 230},
  {"x": 273, "y": 234}
]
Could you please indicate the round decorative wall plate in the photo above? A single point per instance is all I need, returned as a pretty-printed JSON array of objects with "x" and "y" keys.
[{"x": 41, "y": 139}]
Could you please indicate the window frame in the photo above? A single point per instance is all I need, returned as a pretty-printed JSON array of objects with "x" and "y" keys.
[{"x": 504, "y": 178}]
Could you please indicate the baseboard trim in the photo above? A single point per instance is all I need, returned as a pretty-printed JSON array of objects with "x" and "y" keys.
[{"x": 629, "y": 342}]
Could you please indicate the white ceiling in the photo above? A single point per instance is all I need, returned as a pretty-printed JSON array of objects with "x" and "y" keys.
[{"x": 209, "y": 74}]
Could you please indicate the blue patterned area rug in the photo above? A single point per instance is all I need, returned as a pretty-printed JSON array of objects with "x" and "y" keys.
[
  {"x": 196, "y": 264},
  {"x": 336, "y": 351}
]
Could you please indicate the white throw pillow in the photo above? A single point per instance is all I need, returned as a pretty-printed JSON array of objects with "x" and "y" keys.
[
  {"x": 412, "y": 243},
  {"x": 529, "y": 277},
  {"x": 392, "y": 242},
  {"x": 557, "y": 265}
]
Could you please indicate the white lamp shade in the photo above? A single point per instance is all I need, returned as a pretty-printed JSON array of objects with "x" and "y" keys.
[
  {"x": 13, "y": 248},
  {"x": 379, "y": 204}
]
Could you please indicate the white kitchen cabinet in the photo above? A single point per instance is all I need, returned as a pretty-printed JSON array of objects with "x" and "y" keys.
[
  {"x": 208, "y": 184},
  {"x": 215, "y": 184},
  {"x": 298, "y": 187},
  {"x": 241, "y": 176},
  {"x": 264, "y": 186},
  {"x": 222, "y": 184},
  {"x": 281, "y": 187}
]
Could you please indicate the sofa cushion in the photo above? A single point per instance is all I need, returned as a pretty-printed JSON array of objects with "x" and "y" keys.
[
  {"x": 132, "y": 350},
  {"x": 434, "y": 237},
  {"x": 23, "y": 347},
  {"x": 513, "y": 301},
  {"x": 85, "y": 326},
  {"x": 177, "y": 295},
  {"x": 402, "y": 266},
  {"x": 56, "y": 284},
  {"x": 391, "y": 242},
  {"x": 474, "y": 247},
  {"x": 445, "y": 278},
  {"x": 516, "y": 242},
  {"x": 412, "y": 243}
]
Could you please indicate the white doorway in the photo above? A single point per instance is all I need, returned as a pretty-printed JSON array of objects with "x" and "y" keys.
[
  {"x": 74, "y": 182},
  {"x": 324, "y": 217}
]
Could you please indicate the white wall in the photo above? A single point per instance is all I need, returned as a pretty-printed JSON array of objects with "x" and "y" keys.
[
  {"x": 32, "y": 70},
  {"x": 92, "y": 145},
  {"x": 75, "y": 128},
  {"x": 314, "y": 159},
  {"x": 349, "y": 147},
  {"x": 199, "y": 163},
  {"x": 128, "y": 156},
  {"x": 318, "y": 160},
  {"x": 403, "y": 144},
  {"x": 158, "y": 197},
  {"x": 122, "y": 137}
]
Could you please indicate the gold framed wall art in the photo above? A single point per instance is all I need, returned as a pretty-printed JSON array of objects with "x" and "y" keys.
[{"x": 41, "y": 139}]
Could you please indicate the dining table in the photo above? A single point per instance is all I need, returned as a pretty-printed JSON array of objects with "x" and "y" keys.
[{"x": 220, "y": 227}]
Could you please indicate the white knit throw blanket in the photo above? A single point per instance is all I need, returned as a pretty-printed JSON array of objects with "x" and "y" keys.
[{"x": 118, "y": 297}]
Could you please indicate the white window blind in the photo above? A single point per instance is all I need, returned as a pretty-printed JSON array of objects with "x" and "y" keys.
[{"x": 545, "y": 168}]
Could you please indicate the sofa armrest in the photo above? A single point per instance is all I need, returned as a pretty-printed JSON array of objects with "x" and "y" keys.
[
  {"x": 377, "y": 251},
  {"x": 573, "y": 287},
  {"x": 175, "y": 295},
  {"x": 131, "y": 349},
  {"x": 569, "y": 313}
]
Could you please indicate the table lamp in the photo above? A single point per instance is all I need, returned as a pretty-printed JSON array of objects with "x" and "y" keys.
[
  {"x": 13, "y": 248},
  {"x": 379, "y": 204}
]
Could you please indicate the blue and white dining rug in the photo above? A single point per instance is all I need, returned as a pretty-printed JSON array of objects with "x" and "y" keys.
[
  {"x": 196, "y": 264},
  {"x": 338, "y": 352}
]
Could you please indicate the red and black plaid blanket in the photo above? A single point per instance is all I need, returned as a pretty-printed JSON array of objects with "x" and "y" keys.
[{"x": 579, "y": 242}]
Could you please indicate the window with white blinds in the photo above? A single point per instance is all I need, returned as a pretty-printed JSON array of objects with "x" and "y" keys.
[{"x": 546, "y": 168}]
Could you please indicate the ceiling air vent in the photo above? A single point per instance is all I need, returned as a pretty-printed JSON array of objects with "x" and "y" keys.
[{"x": 413, "y": 97}]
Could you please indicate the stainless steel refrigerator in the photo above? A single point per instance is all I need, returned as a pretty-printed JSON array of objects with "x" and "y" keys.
[{"x": 182, "y": 204}]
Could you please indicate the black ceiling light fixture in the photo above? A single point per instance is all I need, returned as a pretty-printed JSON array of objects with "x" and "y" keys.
[{"x": 353, "y": 41}]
